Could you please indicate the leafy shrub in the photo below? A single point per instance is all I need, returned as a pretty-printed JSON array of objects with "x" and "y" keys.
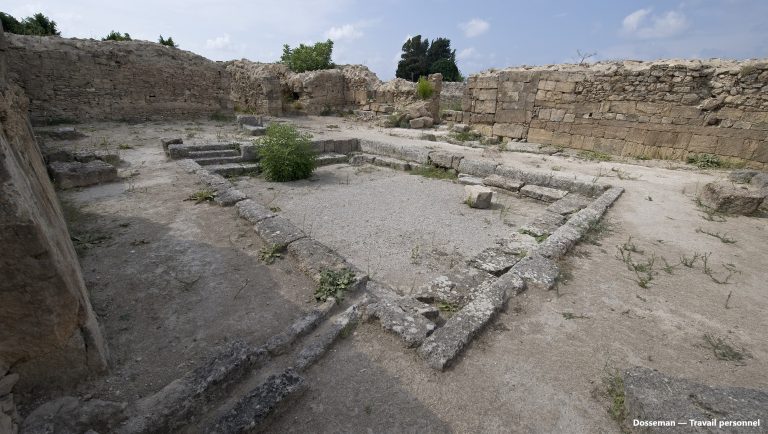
[
  {"x": 286, "y": 154},
  {"x": 116, "y": 36},
  {"x": 38, "y": 25},
  {"x": 424, "y": 88},
  {"x": 333, "y": 284},
  {"x": 167, "y": 42},
  {"x": 308, "y": 57},
  {"x": 705, "y": 161}
]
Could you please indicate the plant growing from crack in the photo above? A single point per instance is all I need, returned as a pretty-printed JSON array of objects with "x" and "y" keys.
[{"x": 333, "y": 283}]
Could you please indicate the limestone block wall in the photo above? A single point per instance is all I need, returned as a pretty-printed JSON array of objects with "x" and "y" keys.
[
  {"x": 84, "y": 80},
  {"x": 48, "y": 332},
  {"x": 271, "y": 89},
  {"x": 664, "y": 109}
]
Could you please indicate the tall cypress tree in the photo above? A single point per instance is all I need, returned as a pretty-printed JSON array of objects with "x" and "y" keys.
[{"x": 420, "y": 58}]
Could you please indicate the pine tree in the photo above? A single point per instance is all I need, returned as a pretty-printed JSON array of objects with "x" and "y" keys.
[{"x": 413, "y": 60}]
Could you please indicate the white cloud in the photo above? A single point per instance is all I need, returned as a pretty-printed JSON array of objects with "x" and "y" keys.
[
  {"x": 474, "y": 27},
  {"x": 347, "y": 31},
  {"x": 466, "y": 53},
  {"x": 643, "y": 24},
  {"x": 218, "y": 43}
]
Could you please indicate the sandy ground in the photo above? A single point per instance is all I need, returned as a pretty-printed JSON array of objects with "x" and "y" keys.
[
  {"x": 539, "y": 367},
  {"x": 401, "y": 229}
]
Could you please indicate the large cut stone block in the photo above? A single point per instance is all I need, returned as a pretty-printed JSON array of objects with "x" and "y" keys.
[
  {"x": 477, "y": 196},
  {"x": 76, "y": 174},
  {"x": 729, "y": 199}
]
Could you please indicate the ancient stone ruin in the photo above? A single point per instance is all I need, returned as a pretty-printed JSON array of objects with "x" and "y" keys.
[{"x": 461, "y": 249}]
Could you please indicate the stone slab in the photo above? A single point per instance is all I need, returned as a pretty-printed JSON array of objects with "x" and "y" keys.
[
  {"x": 278, "y": 231},
  {"x": 537, "y": 271},
  {"x": 477, "y": 196},
  {"x": 404, "y": 316},
  {"x": 479, "y": 168},
  {"x": 457, "y": 287},
  {"x": 465, "y": 179},
  {"x": 545, "y": 194},
  {"x": 570, "y": 204},
  {"x": 73, "y": 174},
  {"x": 502, "y": 182},
  {"x": 543, "y": 224},
  {"x": 730, "y": 199}
]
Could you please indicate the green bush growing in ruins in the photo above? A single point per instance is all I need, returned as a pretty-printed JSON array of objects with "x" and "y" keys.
[
  {"x": 286, "y": 154},
  {"x": 116, "y": 36},
  {"x": 424, "y": 88},
  {"x": 38, "y": 25},
  {"x": 308, "y": 57},
  {"x": 167, "y": 42}
]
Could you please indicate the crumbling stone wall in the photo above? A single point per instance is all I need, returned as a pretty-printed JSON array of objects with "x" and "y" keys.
[
  {"x": 49, "y": 334},
  {"x": 84, "y": 80},
  {"x": 272, "y": 89},
  {"x": 664, "y": 109}
]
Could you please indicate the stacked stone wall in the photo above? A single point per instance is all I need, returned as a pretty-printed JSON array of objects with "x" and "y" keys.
[
  {"x": 659, "y": 109},
  {"x": 85, "y": 80}
]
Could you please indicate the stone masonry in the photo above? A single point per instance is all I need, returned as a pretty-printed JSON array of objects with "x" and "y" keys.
[
  {"x": 662, "y": 109},
  {"x": 85, "y": 80},
  {"x": 49, "y": 334}
]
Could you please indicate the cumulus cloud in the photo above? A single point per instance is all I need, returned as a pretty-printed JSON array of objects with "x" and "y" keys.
[
  {"x": 466, "y": 53},
  {"x": 346, "y": 31},
  {"x": 218, "y": 43},
  {"x": 644, "y": 24},
  {"x": 474, "y": 27}
]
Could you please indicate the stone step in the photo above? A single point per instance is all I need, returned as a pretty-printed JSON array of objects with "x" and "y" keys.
[
  {"x": 214, "y": 154},
  {"x": 326, "y": 159},
  {"x": 177, "y": 151},
  {"x": 218, "y": 160},
  {"x": 234, "y": 169},
  {"x": 254, "y": 130}
]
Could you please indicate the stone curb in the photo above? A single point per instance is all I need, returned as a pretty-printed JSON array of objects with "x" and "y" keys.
[
  {"x": 320, "y": 343},
  {"x": 280, "y": 342}
]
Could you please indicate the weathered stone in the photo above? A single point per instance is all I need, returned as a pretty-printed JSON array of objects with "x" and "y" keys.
[
  {"x": 65, "y": 133},
  {"x": 502, "y": 182},
  {"x": 278, "y": 343},
  {"x": 422, "y": 122},
  {"x": 360, "y": 159},
  {"x": 469, "y": 179},
  {"x": 742, "y": 176},
  {"x": 652, "y": 396},
  {"x": 445, "y": 344},
  {"x": 180, "y": 401},
  {"x": 252, "y": 411},
  {"x": 253, "y": 120},
  {"x": 477, "y": 196},
  {"x": 446, "y": 160},
  {"x": 456, "y": 288},
  {"x": 460, "y": 128},
  {"x": 76, "y": 174},
  {"x": 322, "y": 341},
  {"x": 543, "y": 224},
  {"x": 171, "y": 141},
  {"x": 278, "y": 231},
  {"x": 393, "y": 163},
  {"x": 569, "y": 204},
  {"x": 543, "y": 193},
  {"x": 403, "y": 152},
  {"x": 70, "y": 415},
  {"x": 313, "y": 257},
  {"x": 730, "y": 199},
  {"x": 537, "y": 271},
  {"x": 254, "y": 130},
  {"x": 7, "y": 382},
  {"x": 479, "y": 168},
  {"x": 494, "y": 260},
  {"x": 48, "y": 330},
  {"x": 404, "y": 316},
  {"x": 229, "y": 196}
]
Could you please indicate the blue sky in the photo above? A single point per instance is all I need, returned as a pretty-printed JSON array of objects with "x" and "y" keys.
[{"x": 485, "y": 34}]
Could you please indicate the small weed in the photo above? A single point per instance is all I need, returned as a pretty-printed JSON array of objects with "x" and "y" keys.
[
  {"x": 689, "y": 261},
  {"x": 205, "y": 195},
  {"x": 223, "y": 117},
  {"x": 447, "y": 307},
  {"x": 467, "y": 136},
  {"x": 629, "y": 246},
  {"x": 88, "y": 240},
  {"x": 268, "y": 254},
  {"x": 424, "y": 88},
  {"x": 723, "y": 238},
  {"x": 649, "y": 198},
  {"x": 557, "y": 168},
  {"x": 415, "y": 259},
  {"x": 434, "y": 173},
  {"x": 723, "y": 351},
  {"x": 332, "y": 127},
  {"x": 571, "y": 315},
  {"x": 333, "y": 284},
  {"x": 275, "y": 209},
  {"x": 623, "y": 175},
  {"x": 615, "y": 386},
  {"x": 593, "y": 156},
  {"x": 668, "y": 268},
  {"x": 124, "y": 146},
  {"x": 539, "y": 238},
  {"x": 705, "y": 161},
  {"x": 596, "y": 232}
]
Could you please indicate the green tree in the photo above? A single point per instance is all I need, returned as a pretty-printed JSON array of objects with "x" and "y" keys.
[
  {"x": 420, "y": 58},
  {"x": 167, "y": 42},
  {"x": 116, "y": 36},
  {"x": 38, "y": 24},
  {"x": 308, "y": 57},
  {"x": 413, "y": 61}
]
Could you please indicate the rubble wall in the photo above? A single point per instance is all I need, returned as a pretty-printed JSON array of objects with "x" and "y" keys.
[
  {"x": 49, "y": 334},
  {"x": 84, "y": 80},
  {"x": 663, "y": 109}
]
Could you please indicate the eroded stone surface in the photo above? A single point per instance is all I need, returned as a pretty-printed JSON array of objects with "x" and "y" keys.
[
  {"x": 543, "y": 193},
  {"x": 494, "y": 260},
  {"x": 543, "y": 224},
  {"x": 729, "y": 199},
  {"x": 404, "y": 316},
  {"x": 480, "y": 168},
  {"x": 569, "y": 204},
  {"x": 651, "y": 395},
  {"x": 456, "y": 288},
  {"x": 76, "y": 174},
  {"x": 469, "y": 179},
  {"x": 537, "y": 271},
  {"x": 499, "y": 181},
  {"x": 477, "y": 196}
]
